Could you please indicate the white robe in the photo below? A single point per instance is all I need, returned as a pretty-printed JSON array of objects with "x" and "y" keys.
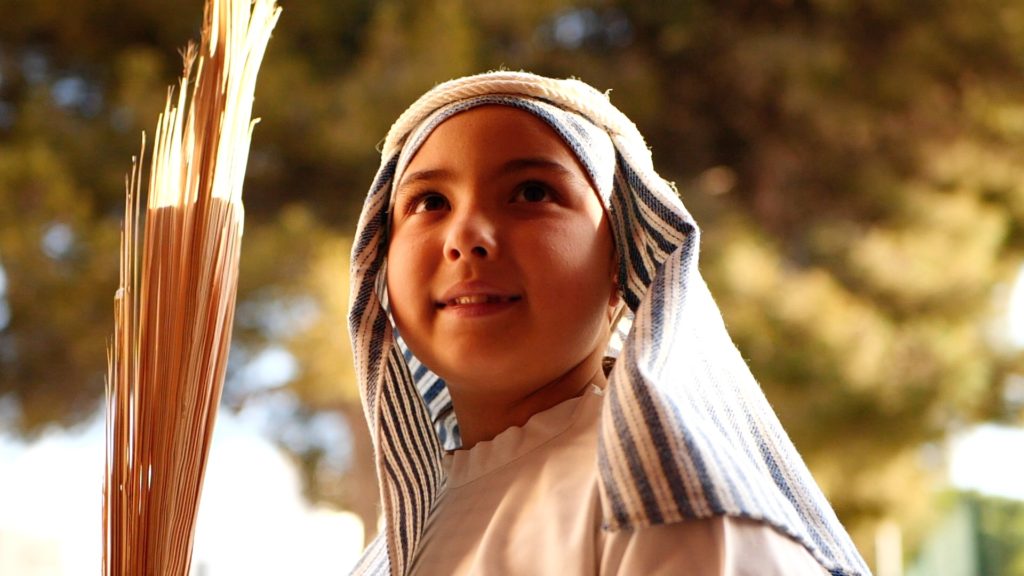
[{"x": 527, "y": 503}]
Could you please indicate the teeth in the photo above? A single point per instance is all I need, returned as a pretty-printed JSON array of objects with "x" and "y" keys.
[
  {"x": 480, "y": 299},
  {"x": 476, "y": 299}
]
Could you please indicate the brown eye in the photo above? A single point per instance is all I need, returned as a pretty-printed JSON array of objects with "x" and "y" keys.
[
  {"x": 428, "y": 202},
  {"x": 533, "y": 192}
]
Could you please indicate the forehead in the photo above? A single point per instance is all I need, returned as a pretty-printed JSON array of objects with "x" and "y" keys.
[
  {"x": 495, "y": 122},
  {"x": 492, "y": 132}
]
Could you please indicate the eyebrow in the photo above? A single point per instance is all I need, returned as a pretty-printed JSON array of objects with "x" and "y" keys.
[
  {"x": 510, "y": 167},
  {"x": 425, "y": 176},
  {"x": 519, "y": 164}
]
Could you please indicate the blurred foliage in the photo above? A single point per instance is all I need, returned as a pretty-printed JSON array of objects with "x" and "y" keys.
[
  {"x": 855, "y": 166},
  {"x": 977, "y": 534},
  {"x": 1001, "y": 528}
]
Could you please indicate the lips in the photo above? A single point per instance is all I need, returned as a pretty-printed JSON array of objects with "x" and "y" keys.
[
  {"x": 478, "y": 299},
  {"x": 476, "y": 293}
]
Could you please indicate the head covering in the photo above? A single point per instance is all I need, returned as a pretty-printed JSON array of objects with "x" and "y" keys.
[{"x": 686, "y": 430}]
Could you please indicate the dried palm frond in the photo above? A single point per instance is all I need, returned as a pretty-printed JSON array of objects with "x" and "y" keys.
[{"x": 173, "y": 316}]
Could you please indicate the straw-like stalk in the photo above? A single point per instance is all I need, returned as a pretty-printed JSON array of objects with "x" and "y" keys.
[{"x": 174, "y": 308}]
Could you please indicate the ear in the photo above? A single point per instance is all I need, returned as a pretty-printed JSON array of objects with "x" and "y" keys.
[
  {"x": 615, "y": 303},
  {"x": 615, "y": 298}
]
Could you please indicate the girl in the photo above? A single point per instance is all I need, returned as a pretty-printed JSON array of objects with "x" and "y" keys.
[{"x": 513, "y": 221}]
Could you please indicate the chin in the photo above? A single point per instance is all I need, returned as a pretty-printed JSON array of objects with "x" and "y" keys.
[{"x": 491, "y": 375}]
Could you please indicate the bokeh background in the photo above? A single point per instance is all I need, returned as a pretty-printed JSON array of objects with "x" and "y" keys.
[{"x": 856, "y": 167}]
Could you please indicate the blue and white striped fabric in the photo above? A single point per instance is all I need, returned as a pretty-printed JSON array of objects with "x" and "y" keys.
[{"x": 686, "y": 431}]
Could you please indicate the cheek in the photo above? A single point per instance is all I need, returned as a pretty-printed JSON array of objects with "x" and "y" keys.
[
  {"x": 579, "y": 262},
  {"x": 406, "y": 271},
  {"x": 593, "y": 253}
]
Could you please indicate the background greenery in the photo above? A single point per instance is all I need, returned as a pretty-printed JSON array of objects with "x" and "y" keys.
[{"x": 855, "y": 165}]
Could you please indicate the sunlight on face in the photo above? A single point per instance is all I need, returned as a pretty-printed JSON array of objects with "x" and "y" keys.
[{"x": 500, "y": 262}]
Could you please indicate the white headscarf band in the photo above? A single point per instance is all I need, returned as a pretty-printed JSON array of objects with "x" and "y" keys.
[{"x": 686, "y": 430}]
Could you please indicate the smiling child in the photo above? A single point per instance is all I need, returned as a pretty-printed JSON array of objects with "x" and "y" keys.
[
  {"x": 500, "y": 250},
  {"x": 513, "y": 218}
]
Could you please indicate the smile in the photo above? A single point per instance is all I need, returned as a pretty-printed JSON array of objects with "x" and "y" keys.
[{"x": 477, "y": 299}]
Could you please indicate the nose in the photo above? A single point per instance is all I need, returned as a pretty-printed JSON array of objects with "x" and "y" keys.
[{"x": 471, "y": 235}]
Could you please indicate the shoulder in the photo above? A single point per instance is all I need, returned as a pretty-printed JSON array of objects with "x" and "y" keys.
[{"x": 718, "y": 546}]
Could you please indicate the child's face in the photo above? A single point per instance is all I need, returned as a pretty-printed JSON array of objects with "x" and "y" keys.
[{"x": 500, "y": 262}]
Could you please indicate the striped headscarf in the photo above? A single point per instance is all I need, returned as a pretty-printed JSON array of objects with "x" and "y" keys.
[{"x": 686, "y": 431}]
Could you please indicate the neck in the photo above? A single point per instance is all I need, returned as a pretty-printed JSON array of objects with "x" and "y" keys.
[{"x": 483, "y": 417}]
